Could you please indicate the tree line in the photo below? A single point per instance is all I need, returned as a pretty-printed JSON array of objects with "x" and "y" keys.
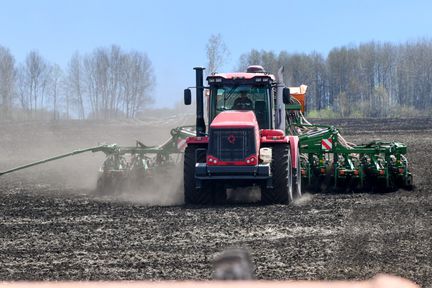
[
  {"x": 369, "y": 80},
  {"x": 106, "y": 83}
]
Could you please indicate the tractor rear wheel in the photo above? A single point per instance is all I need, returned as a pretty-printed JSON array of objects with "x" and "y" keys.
[
  {"x": 193, "y": 195},
  {"x": 281, "y": 168}
]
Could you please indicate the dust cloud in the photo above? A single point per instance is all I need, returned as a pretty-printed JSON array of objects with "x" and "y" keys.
[
  {"x": 164, "y": 188},
  {"x": 303, "y": 200},
  {"x": 25, "y": 142},
  {"x": 244, "y": 194}
]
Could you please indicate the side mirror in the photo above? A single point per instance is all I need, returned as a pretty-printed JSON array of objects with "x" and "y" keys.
[
  {"x": 187, "y": 97},
  {"x": 286, "y": 95}
]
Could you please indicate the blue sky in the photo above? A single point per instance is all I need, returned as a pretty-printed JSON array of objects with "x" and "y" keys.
[{"x": 174, "y": 33}]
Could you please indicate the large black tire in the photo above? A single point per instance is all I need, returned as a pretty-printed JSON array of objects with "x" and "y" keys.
[
  {"x": 297, "y": 180},
  {"x": 192, "y": 195},
  {"x": 281, "y": 168}
]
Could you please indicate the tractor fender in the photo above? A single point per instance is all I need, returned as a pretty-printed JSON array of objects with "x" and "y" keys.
[
  {"x": 294, "y": 147},
  {"x": 293, "y": 141},
  {"x": 197, "y": 140}
]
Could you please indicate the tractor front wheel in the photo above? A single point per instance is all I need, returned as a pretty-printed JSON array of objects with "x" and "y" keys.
[
  {"x": 193, "y": 195},
  {"x": 281, "y": 168}
]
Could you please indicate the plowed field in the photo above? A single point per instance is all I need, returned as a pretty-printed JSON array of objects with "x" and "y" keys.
[{"x": 53, "y": 227}]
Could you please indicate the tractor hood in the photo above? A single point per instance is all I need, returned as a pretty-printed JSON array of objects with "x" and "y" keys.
[
  {"x": 235, "y": 119},
  {"x": 234, "y": 139}
]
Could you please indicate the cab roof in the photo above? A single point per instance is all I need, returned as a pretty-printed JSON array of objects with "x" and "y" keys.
[{"x": 241, "y": 75}]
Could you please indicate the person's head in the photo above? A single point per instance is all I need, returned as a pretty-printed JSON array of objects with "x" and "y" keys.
[
  {"x": 243, "y": 94},
  {"x": 243, "y": 102}
]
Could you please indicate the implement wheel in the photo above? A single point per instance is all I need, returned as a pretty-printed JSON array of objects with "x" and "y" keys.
[
  {"x": 281, "y": 168},
  {"x": 192, "y": 195},
  {"x": 408, "y": 185},
  {"x": 110, "y": 183}
]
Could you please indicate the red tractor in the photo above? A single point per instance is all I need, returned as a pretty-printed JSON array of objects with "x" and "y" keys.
[{"x": 245, "y": 144}]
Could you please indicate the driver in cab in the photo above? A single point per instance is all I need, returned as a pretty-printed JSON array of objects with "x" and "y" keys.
[{"x": 243, "y": 102}]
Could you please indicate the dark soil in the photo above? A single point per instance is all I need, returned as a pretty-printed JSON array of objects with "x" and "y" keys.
[{"x": 53, "y": 228}]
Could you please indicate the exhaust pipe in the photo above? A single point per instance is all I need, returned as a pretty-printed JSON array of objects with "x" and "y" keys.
[
  {"x": 200, "y": 124},
  {"x": 280, "y": 106}
]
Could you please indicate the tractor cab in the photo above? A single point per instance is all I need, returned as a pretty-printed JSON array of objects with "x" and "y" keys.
[{"x": 250, "y": 91}]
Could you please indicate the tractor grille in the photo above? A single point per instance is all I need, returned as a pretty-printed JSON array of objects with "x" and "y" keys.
[{"x": 231, "y": 144}]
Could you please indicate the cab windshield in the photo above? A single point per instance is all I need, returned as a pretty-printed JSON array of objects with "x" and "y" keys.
[{"x": 242, "y": 97}]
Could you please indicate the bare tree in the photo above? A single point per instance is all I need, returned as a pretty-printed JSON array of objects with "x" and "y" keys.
[
  {"x": 96, "y": 68},
  {"x": 217, "y": 53},
  {"x": 7, "y": 81},
  {"x": 35, "y": 78},
  {"x": 21, "y": 89},
  {"x": 108, "y": 83},
  {"x": 117, "y": 83},
  {"x": 55, "y": 88},
  {"x": 74, "y": 86},
  {"x": 137, "y": 83}
]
